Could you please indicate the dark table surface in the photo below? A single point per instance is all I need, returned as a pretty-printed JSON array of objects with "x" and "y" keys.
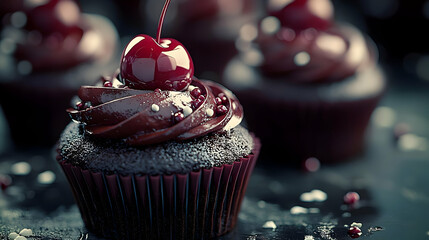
[{"x": 391, "y": 177}]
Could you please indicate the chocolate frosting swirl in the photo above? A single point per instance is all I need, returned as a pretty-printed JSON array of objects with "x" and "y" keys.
[
  {"x": 57, "y": 36},
  {"x": 315, "y": 55},
  {"x": 142, "y": 117}
]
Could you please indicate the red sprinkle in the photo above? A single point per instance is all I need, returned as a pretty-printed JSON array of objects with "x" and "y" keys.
[
  {"x": 311, "y": 164},
  {"x": 202, "y": 97},
  {"x": 351, "y": 198},
  {"x": 79, "y": 106},
  {"x": 157, "y": 90},
  {"x": 354, "y": 232},
  {"x": 218, "y": 101},
  {"x": 178, "y": 117},
  {"x": 107, "y": 84},
  {"x": 196, "y": 92},
  {"x": 221, "y": 110},
  {"x": 196, "y": 103},
  {"x": 223, "y": 97},
  {"x": 5, "y": 181}
]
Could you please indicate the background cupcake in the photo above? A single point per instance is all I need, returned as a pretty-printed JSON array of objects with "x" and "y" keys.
[
  {"x": 49, "y": 49},
  {"x": 308, "y": 84},
  {"x": 158, "y": 153}
]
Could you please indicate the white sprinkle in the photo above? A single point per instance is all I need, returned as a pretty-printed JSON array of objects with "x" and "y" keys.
[
  {"x": 298, "y": 210},
  {"x": 319, "y": 196},
  {"x": 20, "y": 238},
  {"x": 7, "y": 46},
  {"x": 270, "y": 25},
  {"x": 187, "y": 111},
  {"x": 384, "y": 117},
  {"x": 302, "y": 59},
  {"x": 308, "y": 237},
  {"x": 412, "y": 142},
  {"x": 261, "y": 204},
  {"x": 191, "y": 87},
  {"x": 269, "y": 224},
  {"x": 313, "y": 196},
  {"x": 248, "y": 32},
  {"x": 355, "y": 224},
  {"x": 346, "y": 214},
  {"x": 26, "y": 232},
  {"x": 24, "y": 67},
  {"x": 20, "y": 168},
  {"x": 314, "y": 210},
  {"x": 46, "y": 177},
  {"x": 155, "y": 108},
  {"x": 12, "y": 236},
  {"x": 210, "y": 112},
  {"x": 18, "y": 19}
]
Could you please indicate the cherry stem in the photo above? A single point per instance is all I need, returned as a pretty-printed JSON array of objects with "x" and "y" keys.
[{"x": 161, "y": 20}]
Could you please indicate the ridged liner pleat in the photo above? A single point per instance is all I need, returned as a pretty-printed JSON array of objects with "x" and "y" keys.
[{"x": 199, "y": 205}]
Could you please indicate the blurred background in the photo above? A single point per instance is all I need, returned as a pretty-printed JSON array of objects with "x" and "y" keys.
[{"x": 209, "y": 28}]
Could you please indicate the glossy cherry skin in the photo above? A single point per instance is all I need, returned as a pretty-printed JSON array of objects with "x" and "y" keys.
[
  {"x": 145, "y": 64},
  {"x": 303, "y": 14}
]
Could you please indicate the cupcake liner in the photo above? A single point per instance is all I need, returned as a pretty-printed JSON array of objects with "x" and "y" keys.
[
  {"x": 199, "y": 205},
  {"x": 329, "y": 131}
]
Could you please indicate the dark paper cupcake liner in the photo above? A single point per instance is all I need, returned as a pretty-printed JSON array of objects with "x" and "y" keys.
[
  {"x": 330, "y": 131},
  {"x": 199, "y": 205}
]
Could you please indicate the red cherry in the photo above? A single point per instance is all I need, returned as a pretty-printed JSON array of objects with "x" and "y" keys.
[
  {"x": 147, "y": 63},
  {"x": 302, "y": 14}
]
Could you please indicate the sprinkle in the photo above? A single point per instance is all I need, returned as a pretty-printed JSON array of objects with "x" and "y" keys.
[
  {"x": 298, "y": 210},
  {"x": 355, "y": 224},
  {"x": 314, "y": 196},
  {"x": 13, "y": 235},
  {"x": 155, "y": 108},
  {"x": 191, "y": 87},
  {"x": 26, "y": 232},
  {"x": 187, "y": 111},
  {"x": 302, "y": 58},
  {"x": 20, "y": 168},
  {"x": 269, "y": 224},
  {"x": 46, "y": 177},
  {"x": 210, "y": 112}
]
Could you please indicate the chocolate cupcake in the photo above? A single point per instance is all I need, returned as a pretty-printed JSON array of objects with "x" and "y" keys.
[
  {"x": 153, "y": 152},
  {"x": 209, "y": 29},
  {"x": 52, "y": 49},
  {"x": 308, "y": 84}
]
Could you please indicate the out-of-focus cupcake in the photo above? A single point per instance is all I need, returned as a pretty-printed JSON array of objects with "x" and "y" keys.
[
  {"x": 308, "y": 84},
  {"x": 157, "y": 153},
  {"x": 48, "y": 50},
  {"x": 209, "y": 29}
]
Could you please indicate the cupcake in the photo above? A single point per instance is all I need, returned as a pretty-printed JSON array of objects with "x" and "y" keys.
[
  {"x": 49, "y": 49},
  {"x": 209, "y": 29},
  {"x": 308, "y": 84},
  {"x": 155, "y": 153}
]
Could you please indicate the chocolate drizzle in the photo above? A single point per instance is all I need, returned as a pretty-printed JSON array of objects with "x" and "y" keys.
[{"x": 128, "y": 114}]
